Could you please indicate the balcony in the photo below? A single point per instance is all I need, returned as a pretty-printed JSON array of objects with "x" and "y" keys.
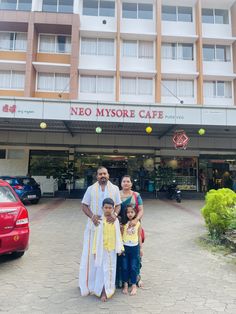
[
  {"x": 178, "y": 29},
  {"x": 138, "y": 26},
  {"x": 214, "y": 31},
  {"x": 137, "y": 65},
  {"x": 97, "y": 63},
  {"x": 101, "y": 24},
  {"x": 187, "y": 67}
]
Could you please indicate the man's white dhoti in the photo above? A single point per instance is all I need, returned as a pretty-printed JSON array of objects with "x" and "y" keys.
[{"x": 93, "y": 197}]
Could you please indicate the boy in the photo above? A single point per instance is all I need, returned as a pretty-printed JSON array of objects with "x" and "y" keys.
[{"x": 107, "y": 243}]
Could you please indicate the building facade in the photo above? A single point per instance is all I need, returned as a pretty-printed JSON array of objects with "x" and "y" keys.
[{"x": 99, "y": 72}]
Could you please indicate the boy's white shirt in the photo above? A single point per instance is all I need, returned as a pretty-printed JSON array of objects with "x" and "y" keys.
[{"x": 99, "y": 242}]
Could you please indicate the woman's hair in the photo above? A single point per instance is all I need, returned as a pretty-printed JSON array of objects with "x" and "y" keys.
[
  {"x": 126, "y": 176},
  {"x": 108, "y": 201},
  {"x": 126, "y": 209}
]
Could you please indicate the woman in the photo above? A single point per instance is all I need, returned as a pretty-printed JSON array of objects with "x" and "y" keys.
[{"x": 128, "y": 197}]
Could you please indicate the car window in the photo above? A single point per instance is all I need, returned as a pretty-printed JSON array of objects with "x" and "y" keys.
[
  {"x": 27, "y": 181},
  {"x": 11, "y": 181},
  {"x": 6, "y": 195}
]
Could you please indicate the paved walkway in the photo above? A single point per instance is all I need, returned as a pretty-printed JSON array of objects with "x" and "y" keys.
[{"x": 179, "y": 276}]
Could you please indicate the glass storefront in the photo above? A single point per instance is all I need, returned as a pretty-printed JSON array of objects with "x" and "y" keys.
[
  {"x": 140, "y": 167},
  {"x": 182, "y": 169},
  {"x": 219, "y": 170},
  {"x": 77, "y": 172}
]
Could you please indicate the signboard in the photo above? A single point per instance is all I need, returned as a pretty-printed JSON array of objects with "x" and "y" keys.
[{"x": 121, "y": 113}]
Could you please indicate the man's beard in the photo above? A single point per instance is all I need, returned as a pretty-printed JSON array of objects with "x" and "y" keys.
[{"x": 103, "y": 180}]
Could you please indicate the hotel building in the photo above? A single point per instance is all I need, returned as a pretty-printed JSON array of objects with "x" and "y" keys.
[{"x": 116, "y": 67}]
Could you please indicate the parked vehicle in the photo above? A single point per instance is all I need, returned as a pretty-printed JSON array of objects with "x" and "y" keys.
[
  {"x": 173, "y": 192},
  {"x": 14, "y": 222},
  {"x": 26, "y": 188}
]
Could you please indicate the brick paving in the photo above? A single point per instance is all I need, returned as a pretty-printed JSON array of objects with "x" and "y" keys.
[{"x": 179, "y": 276}]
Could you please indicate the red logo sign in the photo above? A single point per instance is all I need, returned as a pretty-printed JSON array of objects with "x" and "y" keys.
[{"x": 8, "y": 108}]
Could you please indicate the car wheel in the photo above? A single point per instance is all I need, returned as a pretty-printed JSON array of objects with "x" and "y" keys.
[
  {"x": 34, "y": 201},
  {"x": 17, "y": 254}
]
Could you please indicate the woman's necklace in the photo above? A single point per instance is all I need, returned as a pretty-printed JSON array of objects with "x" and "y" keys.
[{"x": 127, "y": 194}]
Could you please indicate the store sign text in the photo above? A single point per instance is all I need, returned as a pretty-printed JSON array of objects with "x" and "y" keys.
[{"x": 118, "y": 113}]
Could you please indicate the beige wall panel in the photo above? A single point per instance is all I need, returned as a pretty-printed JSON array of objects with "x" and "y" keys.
[
  {"x": 12, "y": 55},
  {"x": 53, "y": 58}
]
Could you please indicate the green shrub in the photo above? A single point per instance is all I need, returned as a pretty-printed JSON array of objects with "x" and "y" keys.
[{"x": 219, "y": 211}]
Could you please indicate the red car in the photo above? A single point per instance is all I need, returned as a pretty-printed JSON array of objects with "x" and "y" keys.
[{"x": 14, "y": 222}]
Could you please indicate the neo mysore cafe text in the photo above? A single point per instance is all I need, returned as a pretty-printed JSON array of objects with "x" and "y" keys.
[{"x": 118, "y": 113}]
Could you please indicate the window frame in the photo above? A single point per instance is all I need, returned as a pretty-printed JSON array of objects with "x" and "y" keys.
[
  {"x": 177, "y": 88},
  {"x": 137, "y": 43},
  {"x": 175, "y": 49},
  {"x": 96, "y": 84},
  {"x": 214, "y": 46},
  {"x": 17, "y": 7},
  {"x": 215, "y": 89},
  {"x": 97, "y": 47},
  {"x": 137, "y": 11},
  {"x": 177, "y": 8},
  {"x": 57, "y": 8},
  {"x": 55, "y": 44},
  {"x": 214, "y": 16},
  {"x": 14, "y": 41},
  {"x": 137, "y": 78},
  {"x": 64, "y": 91},
  {"x": 99, "y": 9},
  {"x": 11, "y": 76}
]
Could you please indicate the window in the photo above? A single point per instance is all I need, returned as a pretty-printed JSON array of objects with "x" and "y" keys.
[
  {"x": 136, "y": 86},
  {"x": 107, "y": 8},
  {"x": 13, "y": 41},
  {"x": 216, "y": 53},
  {"x": 6, "y": 196},
  {"x": 145, "y": 11},
  {"x": 176, "y": 51},
  {"x": 96, "y": 84},
  {"x": 169, "y": 13},
  {"x": 140, "y": 49},
  {"x": 57, "y": 82},
  {"x": 99, "y": 8},
  {"x": 221, "y": 16},
  {"x": 16, "y": 154},
  {"x": 132, "y": 10},
  {"x": 215, "y": 16},
  {"x": 12, "y": 79},
  {"x": 22, "y": 5},
  {"x": 54, "y": 43},
  {"x": 214, "y": 89},
  {"x": 177, "y": 88},
  {"x": 97, "y": 46},
  {"x": 64, "y": 6},
  {"x": 2, "y": 154},
  {"x": 185, "y": 14},
  {"x": 180, "y": 14}
]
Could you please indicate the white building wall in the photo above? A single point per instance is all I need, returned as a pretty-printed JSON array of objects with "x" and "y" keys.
[
  {"x": 97, "y": 63},
  {"x": 96, "y": 24},
  {"x": 171, "y": 28},
  {"x": 216, "y": 30},
  {"x": 218, "y": 68},
  {"x": 178, "y": 66},
  {"x": 14, "y": 166},
  {"x": 138, "y": 26},
  {"x": 137, "y": 65}
]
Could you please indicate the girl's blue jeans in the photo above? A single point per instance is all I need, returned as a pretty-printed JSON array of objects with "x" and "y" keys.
[{"x": 130, "y": 264}]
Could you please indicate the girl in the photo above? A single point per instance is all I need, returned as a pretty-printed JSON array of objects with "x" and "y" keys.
[{"x": 131, "y": 235}]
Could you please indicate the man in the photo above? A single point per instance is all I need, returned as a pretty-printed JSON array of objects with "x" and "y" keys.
[{"x": 92, "y": 207}]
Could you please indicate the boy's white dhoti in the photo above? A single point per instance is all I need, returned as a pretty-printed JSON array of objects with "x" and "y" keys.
[
  {"x": 93, "y": 197},
  {"x": 105, "y": 262}
]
